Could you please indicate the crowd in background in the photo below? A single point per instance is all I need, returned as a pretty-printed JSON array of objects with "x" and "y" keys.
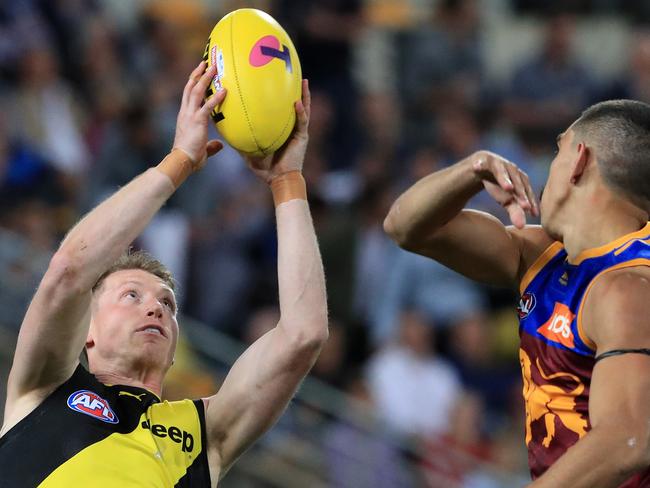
[{"x": 89, "y": 92}]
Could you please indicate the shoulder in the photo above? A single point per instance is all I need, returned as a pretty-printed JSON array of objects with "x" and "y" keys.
[
  {"x": 622, "y": 287},
  {"x": 533, "y": 243},
  {"x": 616, "y": 306},
  {"x": 533, "y": 240}
]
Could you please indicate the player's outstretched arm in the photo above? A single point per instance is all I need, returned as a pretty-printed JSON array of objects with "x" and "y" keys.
[
  {"x": 429, "y": 219},
  {"x": 614, "y": 318},
  {"x": 265, "y": 377},
  {"x": 55, "y": 326}
]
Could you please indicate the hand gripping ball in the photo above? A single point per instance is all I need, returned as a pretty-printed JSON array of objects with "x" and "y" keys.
[{"x": 257, "y": 63}]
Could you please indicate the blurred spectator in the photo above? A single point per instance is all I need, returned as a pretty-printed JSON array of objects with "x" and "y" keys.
[
  {"x": 67, "y": 21},
  {"x": 45, "y": 112},
  {"x": 444, "y": 62},
  {"x": 324, "y": 33},
  {"x": 359, "y": 455},
  {"x": 415, "y": 391},
  {"x": 107, "y": 85},
  {"x": 375, "y": 254},
  {"x": 635, "y": 82},
  {"x": 22, "y": 265},
  {"x": 426, "y": 287},
  {"x": 260, "y": 322},
  {"x": 32, "y": 199},
  {"x": 470, "y": 349},
  {"x": 222, "y": 268},
  {"x": 19, "y": 21},
  {"x": 457, "y": 454},
  {"x": 551, "y": 89},
  {"x": 382, "y": 131}
]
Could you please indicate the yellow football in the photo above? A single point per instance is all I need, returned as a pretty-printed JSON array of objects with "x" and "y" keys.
[{"x": 258, "y": 64}]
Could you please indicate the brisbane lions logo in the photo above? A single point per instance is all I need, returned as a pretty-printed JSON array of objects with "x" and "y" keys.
[
  {"x": 550, "y": 397},
  {"x": 526, "y": 305}
]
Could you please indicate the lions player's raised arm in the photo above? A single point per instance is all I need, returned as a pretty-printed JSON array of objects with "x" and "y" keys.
[
  {"x": 429, "y": 219},
  {"x": 55, "y": 326},
  {"x": 266, "y": 376}
]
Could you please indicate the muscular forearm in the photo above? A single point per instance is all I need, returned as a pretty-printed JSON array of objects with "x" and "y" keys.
[
  {"x": 303, "y": 302},
  {"x": 601, "y": 459},
  {"x": 104, "y": 233},
  {"x": 432, "y": 202}
]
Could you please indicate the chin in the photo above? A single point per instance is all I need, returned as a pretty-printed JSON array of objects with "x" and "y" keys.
[
  {"x": 551, "y": 231},
  {"x": 153, "y": 359}
]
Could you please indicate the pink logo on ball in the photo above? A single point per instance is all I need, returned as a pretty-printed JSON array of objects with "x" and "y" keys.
[{"x": 266, "y": 49}]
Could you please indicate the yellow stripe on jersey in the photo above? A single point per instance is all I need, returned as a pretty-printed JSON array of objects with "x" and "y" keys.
[
  {"x": 539, "y": 263},
  {"x": 624, "y": 248},
  {"x": 599, "y": 251},
  {"x": 157, "y": 453}
]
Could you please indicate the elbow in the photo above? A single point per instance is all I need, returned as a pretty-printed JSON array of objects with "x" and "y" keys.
[
  {"x": 400, "y": 234},
  {"x": 635, "y": 454},
  {"x": 629, "y": 449},
  {"x": 307, "y": 341},
  {"x": 314, "y": 339},
  {"x": 392, "y": 228}
]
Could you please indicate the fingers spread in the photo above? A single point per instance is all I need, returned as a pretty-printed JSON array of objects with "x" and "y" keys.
[
  {"x": 214, "y": 101},
  {"x": 195, "y": 75},
  {"x": 531, "y": 196},
  {"x": 502, "y": 176},
  {"x": 198, "y": 90},
  {"x": 520, "y": 190}
]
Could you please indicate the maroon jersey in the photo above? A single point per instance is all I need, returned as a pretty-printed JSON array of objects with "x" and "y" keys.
[{"x": 555, "y": 355}]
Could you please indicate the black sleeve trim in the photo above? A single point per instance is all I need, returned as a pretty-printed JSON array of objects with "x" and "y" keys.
[{"x": 618, "y": 352}]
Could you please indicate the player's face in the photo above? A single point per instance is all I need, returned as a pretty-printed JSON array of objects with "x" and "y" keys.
[
  {"x": 558, "y": 184},
  {"x": 134, "y": 319}
]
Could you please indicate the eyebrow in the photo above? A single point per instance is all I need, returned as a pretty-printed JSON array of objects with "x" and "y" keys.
[{"x": 165, "y": 289}]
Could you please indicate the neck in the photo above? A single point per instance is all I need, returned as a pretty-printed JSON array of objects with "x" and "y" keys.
[
  {"x": 605, "y": 221},
  {"x": 150, "y": 380}
]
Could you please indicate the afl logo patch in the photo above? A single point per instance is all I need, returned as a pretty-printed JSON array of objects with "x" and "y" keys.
[
  {"x": 90, "y": 403},
  {"x": 526, "y": 305}
]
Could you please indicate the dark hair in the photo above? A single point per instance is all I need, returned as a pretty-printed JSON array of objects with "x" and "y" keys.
[
  {"x": 619, "y": 130},
  {"x": 139, "y": 260}
]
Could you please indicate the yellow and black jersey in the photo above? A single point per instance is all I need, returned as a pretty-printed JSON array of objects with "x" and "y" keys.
[
  {"x": 556, "y": 356},
  {"x": 90, "y": 434}
]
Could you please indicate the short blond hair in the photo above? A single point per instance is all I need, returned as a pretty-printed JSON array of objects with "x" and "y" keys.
[{"x": 138, "y": 260}]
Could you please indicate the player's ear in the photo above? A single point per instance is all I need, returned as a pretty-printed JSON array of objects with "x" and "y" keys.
[{"x": 580, "y": 161}]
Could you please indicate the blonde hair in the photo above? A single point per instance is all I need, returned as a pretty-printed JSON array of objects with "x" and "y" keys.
[{"x": 138, "y": 260}]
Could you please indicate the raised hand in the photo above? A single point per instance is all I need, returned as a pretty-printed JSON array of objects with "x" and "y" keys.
[
  {"x": 194, "y": 117},
  {"x": 508, "y": 185},
  {"x": 291, "y": 155}
]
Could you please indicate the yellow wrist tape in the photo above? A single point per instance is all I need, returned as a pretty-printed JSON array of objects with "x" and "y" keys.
[
  {"x": 177, "y": 165},
  {"x": 288, "y": 186}
]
